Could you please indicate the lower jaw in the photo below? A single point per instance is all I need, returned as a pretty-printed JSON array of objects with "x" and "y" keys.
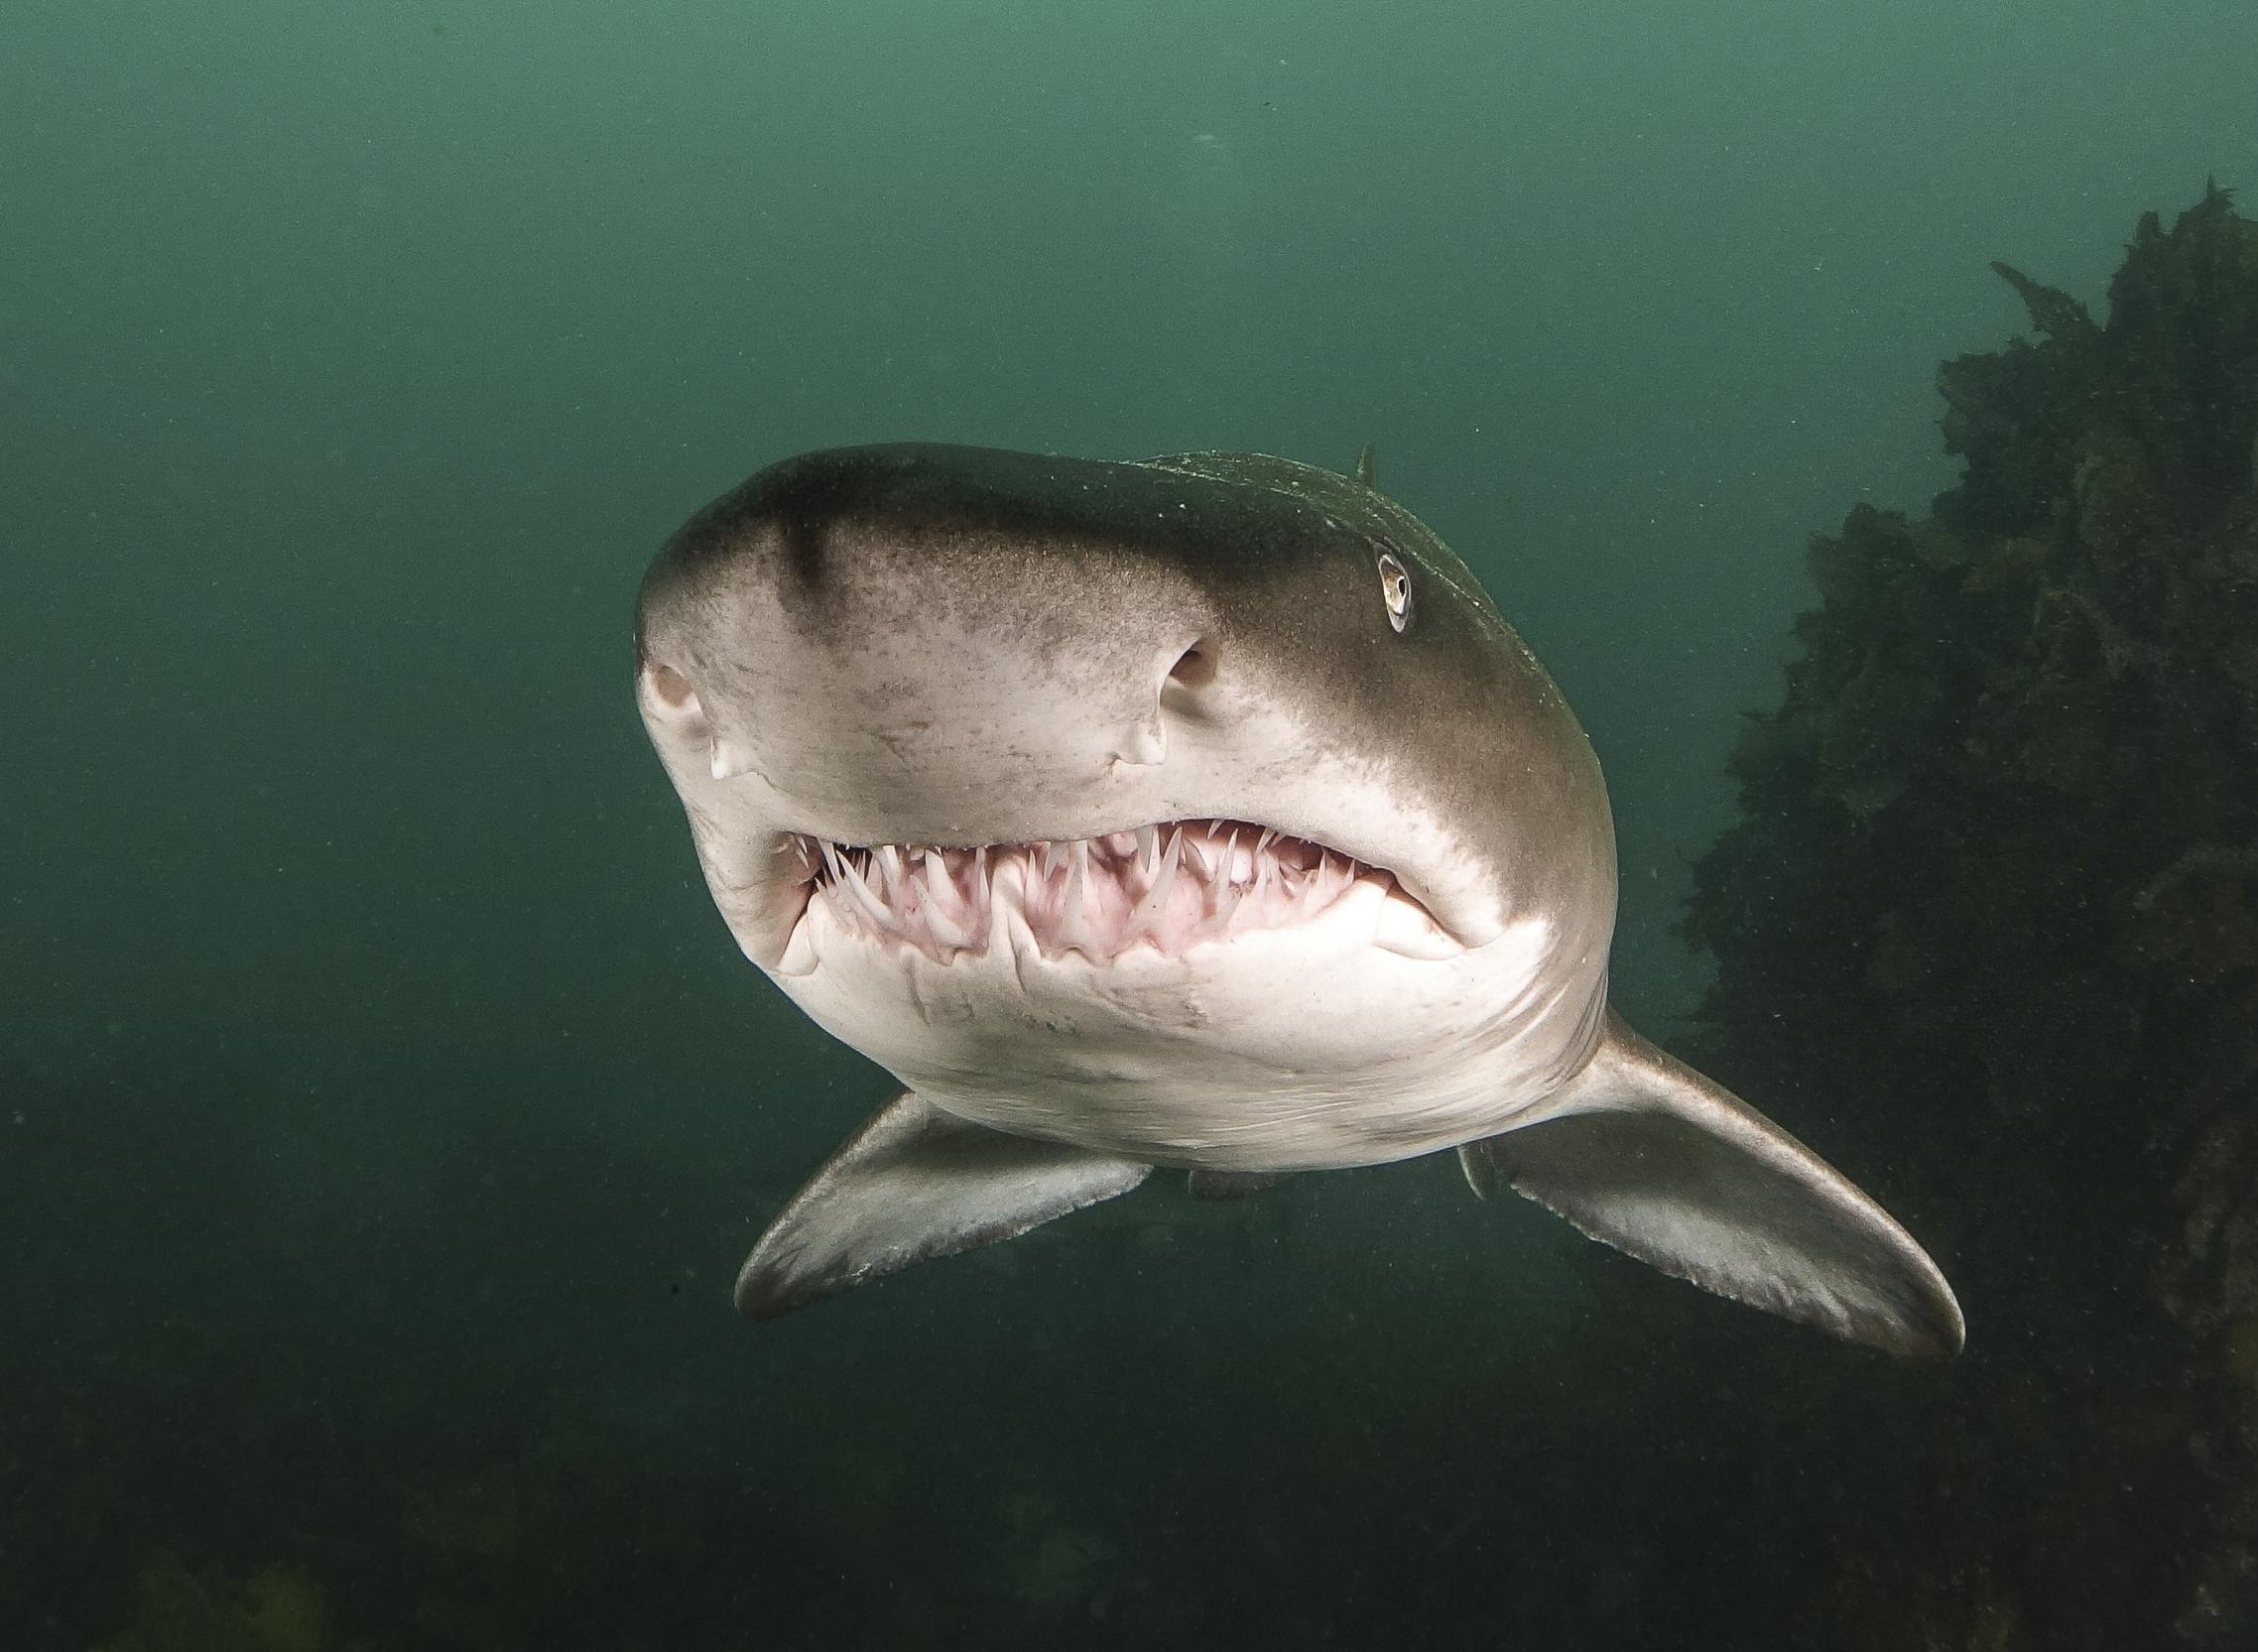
[{"x": 1275, "y": 1050}]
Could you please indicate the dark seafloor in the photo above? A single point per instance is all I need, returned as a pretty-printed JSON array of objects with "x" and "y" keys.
[{"x": 1996, "y": 880}]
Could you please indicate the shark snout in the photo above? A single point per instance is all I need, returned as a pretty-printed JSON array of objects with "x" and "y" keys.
[{"x": 959, "y": 735}]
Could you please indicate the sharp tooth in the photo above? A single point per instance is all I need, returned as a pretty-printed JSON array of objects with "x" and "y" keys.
[
  {"x": 1148, "y": 851},
  {"x": 865, "y": 895},
  {"x": 1269, "y": 836},
  {"x": 1053, "y": 854},
  {"x": 936, "y": 880},
  {"x": 831, "y": 857},
  {"x": 1227, "y": 898},
  {"x": 1232, "y": 858},
  {"x": 1204, "y": 858},
  {"x": 945, "y": 930},
  {"x": 1149, "y": 909},
  {"x": 943, "y": 913},
  {"x": 1073, "y": 931},
  {"x": 890, "y": 862}
]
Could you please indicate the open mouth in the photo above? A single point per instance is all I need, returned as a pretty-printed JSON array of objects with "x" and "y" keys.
[{"x": 1170, "y": 886}]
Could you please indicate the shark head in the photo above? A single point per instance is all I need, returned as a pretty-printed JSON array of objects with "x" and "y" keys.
[{"x": 1199, "y": 811}]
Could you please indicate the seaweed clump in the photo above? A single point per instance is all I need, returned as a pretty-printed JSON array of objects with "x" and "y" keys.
[{"x": 1996, "y": 878}]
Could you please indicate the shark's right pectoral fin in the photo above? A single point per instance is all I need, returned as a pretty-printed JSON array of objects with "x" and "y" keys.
[
  {"x": 914, "y": 1182},
  {"x": 1642, "y": 1152}
]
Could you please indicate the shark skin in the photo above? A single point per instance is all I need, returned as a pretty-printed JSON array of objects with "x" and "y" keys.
[{"x": 1199, "y": 813}]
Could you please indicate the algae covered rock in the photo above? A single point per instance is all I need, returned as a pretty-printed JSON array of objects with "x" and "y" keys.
[{"x": 1995, "y": 885}]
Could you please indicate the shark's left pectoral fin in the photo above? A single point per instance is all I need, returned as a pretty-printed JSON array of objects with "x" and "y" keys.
[
  {"x": 1642, "y": 1152},
  {"x": 916, "y": 1183}
]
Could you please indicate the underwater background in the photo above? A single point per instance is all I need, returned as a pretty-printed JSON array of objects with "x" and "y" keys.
[{"x": 384, "y": 1110}]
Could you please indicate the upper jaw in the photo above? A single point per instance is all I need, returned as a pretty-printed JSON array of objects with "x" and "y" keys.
[
  {"x": 754, "y": 785},
  {"x": 762, "y": 850}
]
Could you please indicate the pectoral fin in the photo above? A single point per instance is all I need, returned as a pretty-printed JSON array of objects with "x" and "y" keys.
[
  {"x": 1642, "y": 1152},
  {"x": 914, "y": 1182}
]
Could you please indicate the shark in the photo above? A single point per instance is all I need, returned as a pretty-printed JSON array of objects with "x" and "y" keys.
[{"x": 1199, "y": 812}]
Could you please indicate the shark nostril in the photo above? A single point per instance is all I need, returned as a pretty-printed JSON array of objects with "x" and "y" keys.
[
  {"x": 1194, "y": 667},
  {"x": 673, "y": 688}
]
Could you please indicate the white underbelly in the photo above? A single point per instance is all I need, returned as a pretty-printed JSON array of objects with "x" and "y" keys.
[{"x": 1296, "y": 1049}]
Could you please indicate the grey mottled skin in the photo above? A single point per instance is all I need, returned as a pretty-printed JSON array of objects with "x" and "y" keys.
[{"x": 929, "y": 645}]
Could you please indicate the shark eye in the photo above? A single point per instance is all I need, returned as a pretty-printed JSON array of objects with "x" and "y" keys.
[{"x": 1396, "y": 589}]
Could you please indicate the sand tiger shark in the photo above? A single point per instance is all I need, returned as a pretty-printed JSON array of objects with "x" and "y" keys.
[{"x": 1203, "y": 812}]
